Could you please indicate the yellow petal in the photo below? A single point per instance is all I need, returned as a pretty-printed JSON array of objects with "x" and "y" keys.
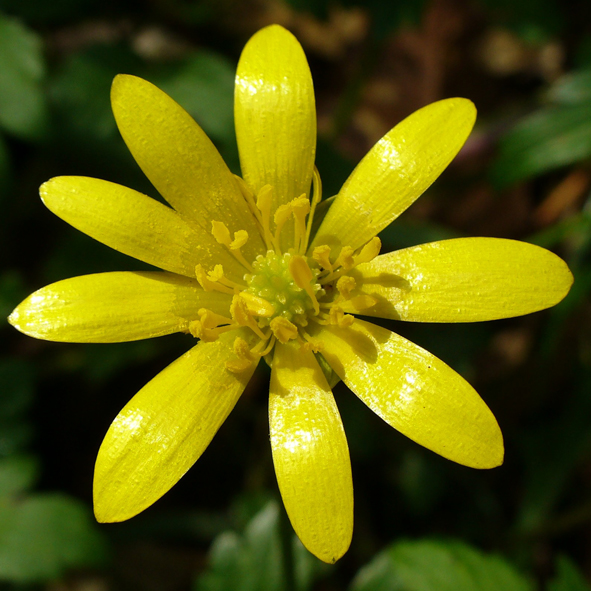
[
  {"x": 275, "y": 115},
  {"x": 414, "y": 392},
  {"x": 114, "y": 307},
  {"x": 395, "y": 172},
  {"x": 463, "y": 280},
  {"x": 135, "y": 224},
  {"x": 179, "y": 159},
  {"x": 310, "y": 453},
  {"x": 165, "y": 428}
]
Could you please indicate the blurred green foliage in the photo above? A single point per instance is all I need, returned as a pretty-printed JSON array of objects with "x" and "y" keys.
[{"x": 422, "y": 523}]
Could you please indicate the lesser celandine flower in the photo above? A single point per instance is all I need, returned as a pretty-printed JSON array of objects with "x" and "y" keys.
[{"x": 245, "y": 275}]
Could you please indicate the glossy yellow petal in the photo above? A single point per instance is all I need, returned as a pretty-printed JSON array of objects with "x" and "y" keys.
[
  {"x": 165, "y": 428},
  {"x": 414, "y": 392},
  {"x": 115, "y": 307},
  {"x": 310, "y": 453},
  {"x": 463, "y": 280},
  {"x": 275, "y": 115},
  {"x": 395, "y": 172},
  {"x": 135, "y": 224},
  {"x": 180, "y": 160}
]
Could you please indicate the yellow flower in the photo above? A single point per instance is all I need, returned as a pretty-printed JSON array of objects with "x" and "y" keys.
[{"x": 244, "y": 274}]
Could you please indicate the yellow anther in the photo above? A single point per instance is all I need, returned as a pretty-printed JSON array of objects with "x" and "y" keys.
[
  {"x": 241, "y": 348},
  {"x": 338, "y": 317},
  {"x": 321, "y": 254},
  {"x": 238, "y": 365},
  {"x": 245, "y": 356},
  {"x": 221, "y": 233},
  {"x": 216, "y": 274},
  {"x": 199, "y": 331},
  {"x": 203, "y": 280},
  {"x": 282, "y": 214},
  {"x": 283, "y": 329},
  {"x": 312, "y": 344},
  {"x": 258, "y": 306},
  {"x": 362, "y": 302},
  {"x": 240, "y": 239},
  {"x": 242, "y": 316},
  {"x": 300, "y": 206},
  {"x": 369, "y": 252},
  {"x": 302, "y": 276},
  {"x": 210, "y": 319},
  {"x": 264, "y": 200},
  {"x": 345, "y": 258},
  {"x": 346, "y": 285}
]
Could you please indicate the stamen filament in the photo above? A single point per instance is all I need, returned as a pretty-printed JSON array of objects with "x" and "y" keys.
[{"x": 316, "y": 198}]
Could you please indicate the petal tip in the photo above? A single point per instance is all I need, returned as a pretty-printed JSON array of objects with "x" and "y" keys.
[{"x": 13, "y": 319}]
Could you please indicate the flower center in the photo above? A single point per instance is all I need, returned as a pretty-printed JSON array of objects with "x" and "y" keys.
[
  {"x": 272, "y": 280},
  {"x": 284, "y": 289}
]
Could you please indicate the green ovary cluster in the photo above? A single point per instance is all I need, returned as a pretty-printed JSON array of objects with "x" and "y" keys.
[{"x": 272, "y": 280}]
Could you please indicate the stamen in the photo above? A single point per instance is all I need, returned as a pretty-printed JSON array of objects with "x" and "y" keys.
[
  {"x": 217, "y": 276},
  {"x": 345, "y": 258},
  {"x": 257, "y": 306},
  {"x": 302, "y": 275},
  {"x": 264, "y": 204},
  {"x": 311, "y": 343},
  {"x": 362, "y": 302},
  {"x": 321, "y": 254},
  {"x": 283, "y": 329},
  {"x": 245, "y": 357},
  {"x": 207, "y": 284},
  {"x": 242, "y": 316},
  {"x": 282, "y": 214},
  {"x": 339, "y": 318},
  {"x": 267, "y": 349},
  {"x": 317, "y": 197},
  {"x": 369, "y": 252},
  {"x": 222, "y": 235},
  {"x": 346, "y": 285},
  {"x": 240, "y": 239},
  {"x": 208, "y": 335},
  {"x": 210, "y": 319},
  {"x": 300, "y": 208}
]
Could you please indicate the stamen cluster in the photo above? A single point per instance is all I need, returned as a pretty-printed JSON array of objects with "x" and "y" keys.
[{"x": 282, "y": 291}]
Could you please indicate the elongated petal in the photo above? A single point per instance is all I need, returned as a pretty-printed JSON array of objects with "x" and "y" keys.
[
  {"x": 463, "y": 280},
  {"x": 165, "y": 428},
  {"x": 415, "y": 392},
  {"x": 275, "y": 114},
  {"x": 179, "y": 159},
  {"x": 115, "y": 307},
  {"x": 395, "y": 172},
  {"x": 135, "y": 224},
  {"x": 310, "y": 453}
]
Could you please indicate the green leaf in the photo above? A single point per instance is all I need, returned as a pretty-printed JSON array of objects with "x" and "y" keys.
[
  {"x": 254, "y": 561},
  {"x": 568, "y": 577},
  {"x": 23, "y": 111},
  {"x": 572, "y": 89},
  {"x": 548, "y": 139},
  {"x": 204, "y": 85},
  {"x": 17, "y": 474},
  {"x": 438, "y": 566},
  {"x": 44, "y": 535}
]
